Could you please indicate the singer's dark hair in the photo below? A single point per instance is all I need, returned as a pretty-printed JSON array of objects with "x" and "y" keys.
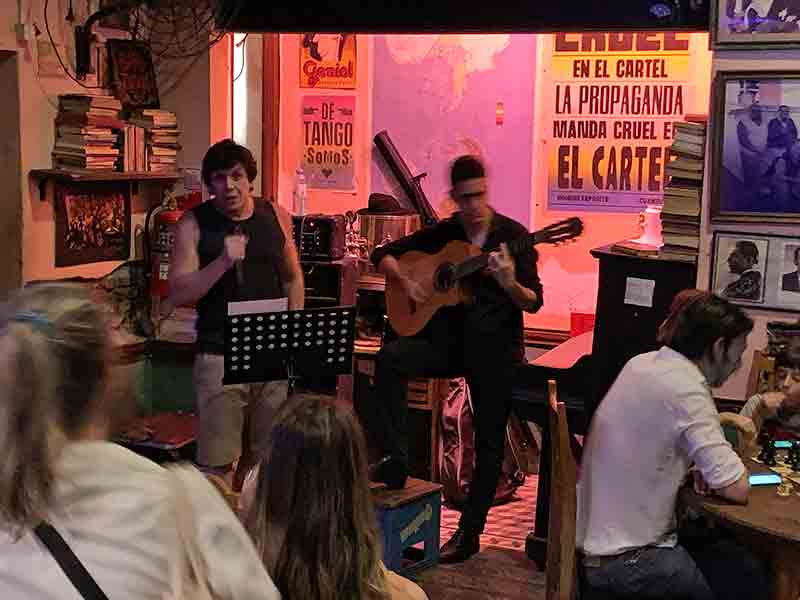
[
  {"x": 226, "y": 155},
  {"x": 466, "y": 167}
]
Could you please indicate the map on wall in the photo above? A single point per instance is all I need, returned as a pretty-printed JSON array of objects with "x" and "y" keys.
[{"x": 440, "y": 96}]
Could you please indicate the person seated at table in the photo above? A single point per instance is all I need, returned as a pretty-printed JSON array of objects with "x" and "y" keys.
[
  {"x": 781, "y": 406},
  {"x": 60, "y": 477},
  {"x": 311, "y": 515},
  {"x": 656, "y": 422}
]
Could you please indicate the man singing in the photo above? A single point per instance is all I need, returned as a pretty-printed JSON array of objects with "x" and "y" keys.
[{"x": 234, "y": 247}]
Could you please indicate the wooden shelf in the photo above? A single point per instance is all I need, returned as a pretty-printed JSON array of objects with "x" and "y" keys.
[{"x": 96, "y": 176}]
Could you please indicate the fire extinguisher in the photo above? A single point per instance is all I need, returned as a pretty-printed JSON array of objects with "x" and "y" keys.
[
  {"x": 159, "y": 239},
  {"x": 163, "y": 240}
]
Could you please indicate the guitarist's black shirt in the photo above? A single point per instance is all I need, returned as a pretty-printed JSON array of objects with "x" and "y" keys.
[{"x": 492, "y": 326}]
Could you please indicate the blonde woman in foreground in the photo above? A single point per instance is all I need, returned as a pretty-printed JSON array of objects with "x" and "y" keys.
[
  {"x": 83, "y": 517},
  {"x": 311, "y": 516}
]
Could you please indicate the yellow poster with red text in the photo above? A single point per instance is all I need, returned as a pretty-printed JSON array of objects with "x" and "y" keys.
[
  {"x": 614, "y": 99},
  {"x": 328, "y": 60}
]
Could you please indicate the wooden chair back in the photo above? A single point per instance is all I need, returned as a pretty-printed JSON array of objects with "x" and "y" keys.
[
  {"x": 740, "y": 432},
  {"x": 561, "y": 571},
  {"x": 762, "y": 374}
]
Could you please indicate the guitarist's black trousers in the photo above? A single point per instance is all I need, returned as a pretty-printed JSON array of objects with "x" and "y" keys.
[{"x": 449, "y": 347}]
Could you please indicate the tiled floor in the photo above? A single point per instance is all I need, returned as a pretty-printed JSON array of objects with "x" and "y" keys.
[{"x": 508, "y": 524}]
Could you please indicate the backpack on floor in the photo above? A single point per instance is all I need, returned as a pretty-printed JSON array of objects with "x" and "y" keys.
[{"x": 457, "y": 450}]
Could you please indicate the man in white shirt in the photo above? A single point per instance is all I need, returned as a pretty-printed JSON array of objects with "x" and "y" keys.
[{"x": 656, "y": 422}]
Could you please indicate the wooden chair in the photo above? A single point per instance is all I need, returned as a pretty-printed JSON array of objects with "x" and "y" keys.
[
  {"x": 762, "y": 374},
  {"x": 740, "y": 432},
  {"x": 561, "y": 571}
]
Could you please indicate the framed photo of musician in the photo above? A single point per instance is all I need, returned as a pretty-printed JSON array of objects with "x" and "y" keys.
[
  {"x": 755, "y": 165},
  {"x": 92, "y": 222},
  {"x": 757, "y": 270},
  {"x": 755, "y": 24}
]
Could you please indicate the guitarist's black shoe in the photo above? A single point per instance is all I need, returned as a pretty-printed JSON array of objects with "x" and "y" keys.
[
  {"x": 460, "y": 547},
  {"x": 391, "y": 471}
]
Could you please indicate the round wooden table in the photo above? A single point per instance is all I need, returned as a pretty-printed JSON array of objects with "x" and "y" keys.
[{"x": 769, "y": 521}]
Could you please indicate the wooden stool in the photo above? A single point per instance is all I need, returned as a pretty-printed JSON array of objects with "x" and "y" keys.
[{"x": 408, "y": 517}]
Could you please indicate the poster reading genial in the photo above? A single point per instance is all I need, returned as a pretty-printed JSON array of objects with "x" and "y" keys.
[
  {"x": 328, "y": 141},
  {"x": 328, "y": 60},
  {"x": 615, "y": 98}
]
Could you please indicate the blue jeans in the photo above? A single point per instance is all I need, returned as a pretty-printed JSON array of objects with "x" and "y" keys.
[{"x": 715, "y": 569}]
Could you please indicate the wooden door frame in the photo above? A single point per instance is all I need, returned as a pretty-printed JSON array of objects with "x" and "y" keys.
[{"x": 270, "y": 124}]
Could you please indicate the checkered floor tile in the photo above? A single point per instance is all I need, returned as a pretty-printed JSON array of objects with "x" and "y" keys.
[{"x": 508, "y": 524}]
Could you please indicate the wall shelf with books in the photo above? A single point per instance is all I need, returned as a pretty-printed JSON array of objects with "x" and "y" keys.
[{"x": 81, "y": 176}]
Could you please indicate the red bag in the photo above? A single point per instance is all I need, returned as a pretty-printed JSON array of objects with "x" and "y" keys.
[{"x": 457, "y": 450}]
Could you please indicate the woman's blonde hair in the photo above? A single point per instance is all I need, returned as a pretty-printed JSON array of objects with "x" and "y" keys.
[
  {"x": 54, "y": 343},
  {"x": 312, "y": 518}
]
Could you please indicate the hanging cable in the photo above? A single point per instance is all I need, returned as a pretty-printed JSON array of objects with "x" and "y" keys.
[
  {"x": 244, "y": 56},
  {"x": 58, "y": 56}
]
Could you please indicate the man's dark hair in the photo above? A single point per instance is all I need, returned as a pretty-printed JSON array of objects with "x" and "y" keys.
[
  {"x": 748, "y": 249},
  {"x": 466, "y": 167},
  {"x": 697, "y": 319},
  {"x": 225, "y": 155}
]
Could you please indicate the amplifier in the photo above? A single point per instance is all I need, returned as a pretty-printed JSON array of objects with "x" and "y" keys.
[{"x": 319, "y": 237}]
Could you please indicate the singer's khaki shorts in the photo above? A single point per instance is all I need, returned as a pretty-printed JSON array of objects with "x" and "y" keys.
[{"x": 222, "y": 410}]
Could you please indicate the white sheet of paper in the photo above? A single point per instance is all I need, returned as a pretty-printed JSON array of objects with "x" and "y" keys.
[
  {"x": 639, "y": 292},
  {"x": 249, "y": 307}
]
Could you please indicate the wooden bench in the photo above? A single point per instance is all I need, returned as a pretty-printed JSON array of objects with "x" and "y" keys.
[{"x": 408, "y": 517}]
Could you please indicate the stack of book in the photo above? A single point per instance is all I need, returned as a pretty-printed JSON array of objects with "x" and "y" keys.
[
  {"x": 162, "y": 133},
  {"x": 87, "y": 132},
  {"x": 134, "y": 155},
  {"x": 683, "y": 193}
]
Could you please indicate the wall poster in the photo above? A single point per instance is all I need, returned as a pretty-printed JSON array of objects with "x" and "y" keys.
[
  {"x": 615, "y": 97},
  {"x": 328, "y": 60},
  {"x": 328, "y": 123}
]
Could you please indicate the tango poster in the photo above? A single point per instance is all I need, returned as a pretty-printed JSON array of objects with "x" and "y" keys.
[
  {"x": 328, "y": 60},
  {"x": 328, "y": 123},
  {"x": 613, "y": 101}
]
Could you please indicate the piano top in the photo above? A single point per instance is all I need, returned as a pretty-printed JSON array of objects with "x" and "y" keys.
[{"x": 566, "y": 354}]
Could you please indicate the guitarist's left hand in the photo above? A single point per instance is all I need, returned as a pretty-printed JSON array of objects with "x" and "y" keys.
[{"x": 501, "y": 266}]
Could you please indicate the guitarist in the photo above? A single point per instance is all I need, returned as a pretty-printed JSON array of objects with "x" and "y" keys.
[{"x": 482, "y": 341}]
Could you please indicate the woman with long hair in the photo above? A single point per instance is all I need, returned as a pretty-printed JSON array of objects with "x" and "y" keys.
[
  {"x": 312, "y": 517},
  {"x": 83, "y": 517}
]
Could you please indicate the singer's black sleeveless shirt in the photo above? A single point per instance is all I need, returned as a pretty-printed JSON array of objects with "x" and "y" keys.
[{"x": 261, "y": 274}]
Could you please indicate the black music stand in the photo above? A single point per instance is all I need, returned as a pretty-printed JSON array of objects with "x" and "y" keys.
[{"x": 270, "y": 346}]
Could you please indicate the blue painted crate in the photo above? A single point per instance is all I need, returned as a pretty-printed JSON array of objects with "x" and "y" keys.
[{"x": 407, "y": 517}]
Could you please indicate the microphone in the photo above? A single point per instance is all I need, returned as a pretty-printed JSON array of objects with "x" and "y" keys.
[{"x": 238, "y": 264}]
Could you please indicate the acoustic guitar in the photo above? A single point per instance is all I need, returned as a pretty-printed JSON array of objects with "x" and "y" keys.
[{"x": 440, "y": 274}]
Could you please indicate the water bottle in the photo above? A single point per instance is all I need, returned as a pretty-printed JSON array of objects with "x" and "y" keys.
[{"x": 299, "y": 200}]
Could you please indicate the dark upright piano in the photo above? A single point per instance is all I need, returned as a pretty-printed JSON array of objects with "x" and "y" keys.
[{"x": 570, "y": 365}]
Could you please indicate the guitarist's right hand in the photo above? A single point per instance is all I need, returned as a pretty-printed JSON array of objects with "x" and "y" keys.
[{"x": 414, "y": 290}]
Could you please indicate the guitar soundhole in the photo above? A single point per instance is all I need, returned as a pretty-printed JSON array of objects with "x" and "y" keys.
[{"x": 444, "y": 277}]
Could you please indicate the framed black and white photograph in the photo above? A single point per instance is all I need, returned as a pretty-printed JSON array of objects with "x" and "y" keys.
[
  {"x": 790, "y": 278},
  {"x": 756, "y": 270},
  {"x": 739, "y": 267},
  {"x": 93, "y": 222},
  {"x": 756, "y": 24},
  {"x": 756, "y": 151}
]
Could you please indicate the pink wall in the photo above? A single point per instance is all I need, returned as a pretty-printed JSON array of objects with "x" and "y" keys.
[{"x": 291, "y": 139}]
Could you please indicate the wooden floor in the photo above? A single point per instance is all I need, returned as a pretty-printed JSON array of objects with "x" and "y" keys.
[{"x": 492, "y": 574}]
